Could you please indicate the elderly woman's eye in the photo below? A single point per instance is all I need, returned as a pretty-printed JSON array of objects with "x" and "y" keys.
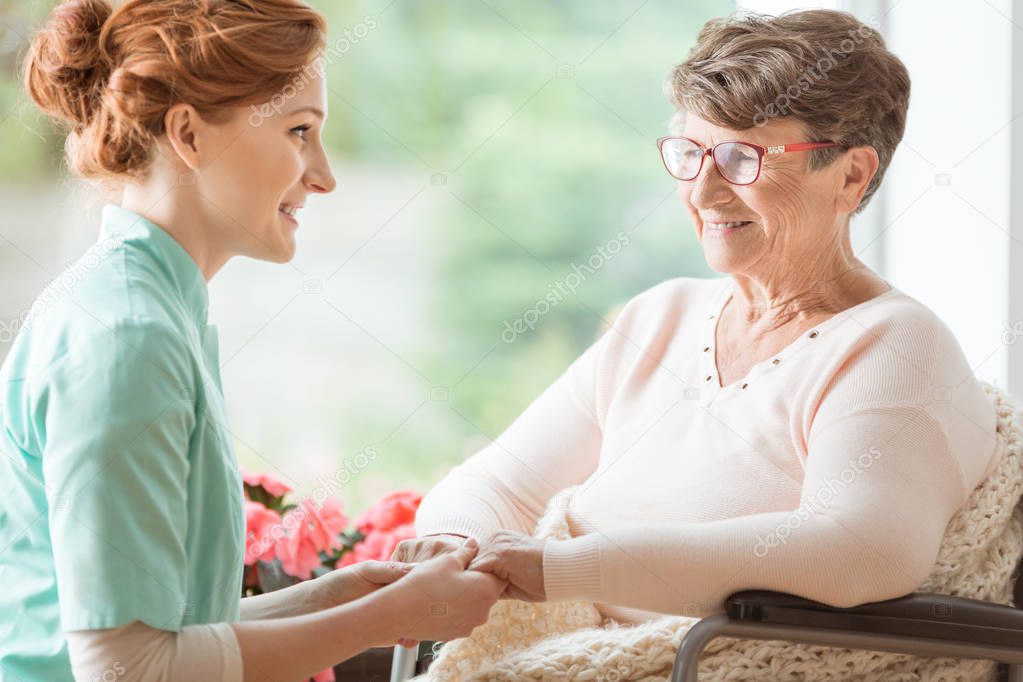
[{"x": 740, "y": 153}]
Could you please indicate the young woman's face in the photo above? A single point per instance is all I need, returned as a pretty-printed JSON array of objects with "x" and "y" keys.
[{"x": 270, "y": 159}]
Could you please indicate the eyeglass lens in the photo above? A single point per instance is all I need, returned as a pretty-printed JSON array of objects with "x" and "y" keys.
[{"x": 738, "y": 163}]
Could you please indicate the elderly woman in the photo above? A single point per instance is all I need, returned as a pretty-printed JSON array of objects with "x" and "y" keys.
[{"x": 800, "y": 424}]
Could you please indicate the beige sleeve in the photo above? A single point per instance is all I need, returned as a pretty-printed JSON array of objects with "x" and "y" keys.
[
  {"x": 554, "y": 444},
  {"x": 137, "y": 652},
  {"x": 879, "y": 490}
]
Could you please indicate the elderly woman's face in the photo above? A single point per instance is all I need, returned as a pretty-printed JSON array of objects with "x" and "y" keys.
[{"x": 793, "y": 213}]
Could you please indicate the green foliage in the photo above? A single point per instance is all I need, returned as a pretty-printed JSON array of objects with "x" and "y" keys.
[{"x": 541, "y": 117}]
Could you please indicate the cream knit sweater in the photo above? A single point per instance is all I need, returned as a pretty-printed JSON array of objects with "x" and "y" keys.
[
  {"x": 979, "y": 554},
  {"x": 831, "y": 470}
]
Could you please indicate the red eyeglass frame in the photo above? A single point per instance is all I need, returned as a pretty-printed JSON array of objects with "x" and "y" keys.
[{"x": 762, "y": 151}]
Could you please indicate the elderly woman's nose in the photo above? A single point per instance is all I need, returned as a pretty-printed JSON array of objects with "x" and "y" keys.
[{"x": 709, "y": 188}]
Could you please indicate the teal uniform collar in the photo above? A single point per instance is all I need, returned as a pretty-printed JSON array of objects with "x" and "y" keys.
[{"x": 183, "y": 272}]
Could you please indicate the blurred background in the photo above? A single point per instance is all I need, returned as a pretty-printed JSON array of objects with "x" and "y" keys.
[
  {"x": 481, "y": 149},
  {"x": 500, "y": 194}
]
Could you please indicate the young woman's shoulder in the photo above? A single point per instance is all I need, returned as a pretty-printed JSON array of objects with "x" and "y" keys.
[{"x": 99, "y": 309}]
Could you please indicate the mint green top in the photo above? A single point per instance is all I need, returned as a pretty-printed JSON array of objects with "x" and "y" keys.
[{"x": 120, "y": 496}]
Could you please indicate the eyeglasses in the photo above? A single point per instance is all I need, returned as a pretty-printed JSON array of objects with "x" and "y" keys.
[{"x": 737, "y": 162}]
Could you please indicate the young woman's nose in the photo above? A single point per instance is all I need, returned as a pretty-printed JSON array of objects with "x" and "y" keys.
[
  {"x": 322, "y": 181},
  {"x": 324, "y": 188},
  {"x": 319, "y": 177}
]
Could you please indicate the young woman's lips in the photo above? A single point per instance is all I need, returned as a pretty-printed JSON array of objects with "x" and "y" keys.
[{"x": 288, "y": 217}]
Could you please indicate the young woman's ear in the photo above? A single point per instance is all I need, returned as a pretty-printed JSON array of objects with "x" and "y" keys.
[{"x": 184, "y": 129}]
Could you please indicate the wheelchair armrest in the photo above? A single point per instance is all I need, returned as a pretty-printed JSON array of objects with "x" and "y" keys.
[
  {"x": 920, "y": 614},
  {"x": 425, "y": 655}
]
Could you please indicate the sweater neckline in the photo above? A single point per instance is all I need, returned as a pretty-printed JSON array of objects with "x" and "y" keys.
[{"x": 711, "y": 379}]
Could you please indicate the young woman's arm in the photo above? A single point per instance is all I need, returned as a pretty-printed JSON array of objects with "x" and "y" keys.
[
  {"x": 332, "y": 589},
  {"x": 291, "y": 648},
  {"x": 438, "y": 599},
  {"x": 290, "y": 601}
]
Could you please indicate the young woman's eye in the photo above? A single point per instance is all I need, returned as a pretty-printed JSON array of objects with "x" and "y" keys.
[{"x": 301, "y": 130}]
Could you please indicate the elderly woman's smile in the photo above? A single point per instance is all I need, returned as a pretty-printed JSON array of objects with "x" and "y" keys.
[{"x": 720, "y": 227}]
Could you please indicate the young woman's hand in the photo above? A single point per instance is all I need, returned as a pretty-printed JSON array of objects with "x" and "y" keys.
[
  {"x": 445, "y": 600},
  {"x": 356, "y": 581},
  {"x": 427, "y": 547}
]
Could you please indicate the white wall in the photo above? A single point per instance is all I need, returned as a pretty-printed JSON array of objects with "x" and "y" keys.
[
  {"x": 947, "y": 197},
  {"x": 1015, "y": 350}
]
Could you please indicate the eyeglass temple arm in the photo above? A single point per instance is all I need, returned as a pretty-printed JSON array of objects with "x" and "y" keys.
[{"x": 800, "y": 147}]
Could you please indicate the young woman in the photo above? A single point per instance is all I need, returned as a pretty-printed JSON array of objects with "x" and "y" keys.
[{"x": 121, "y": 516}]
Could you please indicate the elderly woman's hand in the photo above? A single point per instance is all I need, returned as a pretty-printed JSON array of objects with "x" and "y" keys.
[
  {"x": 517, "y": 559},
  {"x": 424, "y": 548}
]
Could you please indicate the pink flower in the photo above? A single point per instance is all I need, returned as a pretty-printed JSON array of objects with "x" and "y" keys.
[
  {"x": 373, "y": 547},
  {"x": 378, "y": 545},
  {"x": 324, "y": 524},
  {"x": 310, "y": 531},
  {"x": 405, "y": 531},
  {"x": 324, "y": 676},
  {"x": 266, "y": 481},
  {"x": 349, "y": 558},
  {"x": 259, "y": 525},
  {"x": 394, "y": 510},
  {"x": 298, "y": 557}
]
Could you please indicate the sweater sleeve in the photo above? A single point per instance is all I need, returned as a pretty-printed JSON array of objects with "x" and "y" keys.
[
  {"x": 881, "y": 481},
  {"x": 137, "y": 652},
  {"x": 880, "y": 487},
  {"x": 553, "y": 444}
]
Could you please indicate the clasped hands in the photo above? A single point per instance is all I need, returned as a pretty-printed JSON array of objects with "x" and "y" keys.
[
  {"x": 511, "y": 563},
  {"x": 514, "y": 558},
  {"x": 447, "y": 584}
]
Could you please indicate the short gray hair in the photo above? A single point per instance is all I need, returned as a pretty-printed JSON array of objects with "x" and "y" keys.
[{"x": 824, "y": 68}]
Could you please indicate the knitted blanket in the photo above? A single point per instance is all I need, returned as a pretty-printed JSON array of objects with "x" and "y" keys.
[{"x": 981, "y": 549}]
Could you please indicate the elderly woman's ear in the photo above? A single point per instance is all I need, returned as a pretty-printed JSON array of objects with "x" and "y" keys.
[{"x": 858, "y": 166}]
